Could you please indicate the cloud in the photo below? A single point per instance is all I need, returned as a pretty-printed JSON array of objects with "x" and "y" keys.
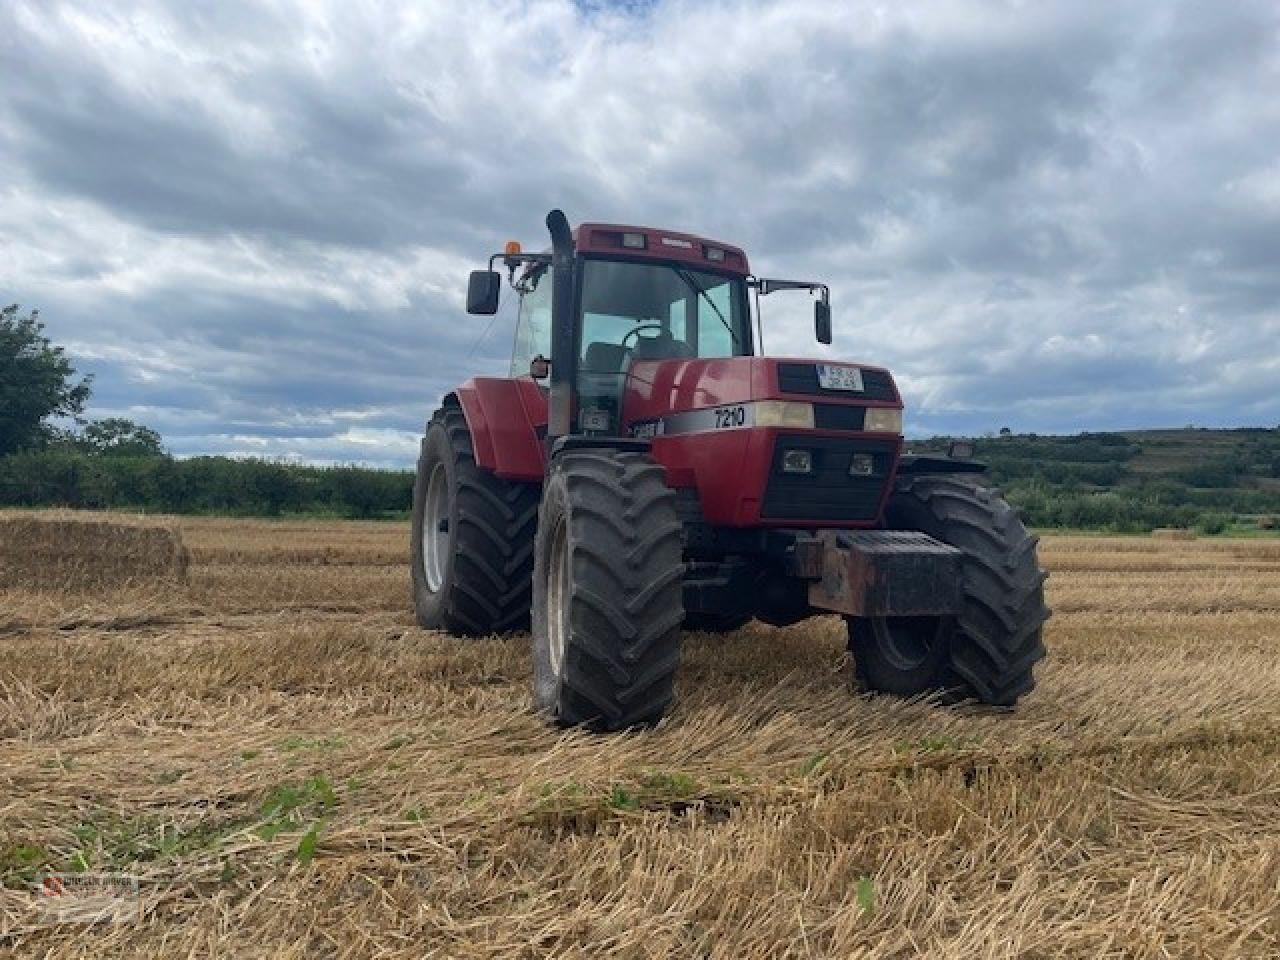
[{"x": 253, "y": 222}]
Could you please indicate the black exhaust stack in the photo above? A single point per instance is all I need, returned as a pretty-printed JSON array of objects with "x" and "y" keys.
[{"x": 564, "y": 357}]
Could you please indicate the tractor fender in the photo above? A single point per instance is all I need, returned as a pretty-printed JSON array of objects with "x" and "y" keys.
[{"x": 507, "y": 418}]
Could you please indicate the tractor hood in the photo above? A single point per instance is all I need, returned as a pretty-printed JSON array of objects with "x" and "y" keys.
[
  {"x": 770, "y": 441},
  {"x": 656, "y": 390}
]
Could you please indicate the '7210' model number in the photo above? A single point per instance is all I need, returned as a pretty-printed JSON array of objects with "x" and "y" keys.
[{"x": 726, "y": 417}]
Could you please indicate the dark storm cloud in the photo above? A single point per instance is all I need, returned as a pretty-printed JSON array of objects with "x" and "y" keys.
[
  {"x": 254, "y": 222},
  {"x": 174, "y": 165}
]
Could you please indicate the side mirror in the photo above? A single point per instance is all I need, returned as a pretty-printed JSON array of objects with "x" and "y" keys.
[
  {"x": 482, "y": 291},
  {"x": 822, "y": 321}
]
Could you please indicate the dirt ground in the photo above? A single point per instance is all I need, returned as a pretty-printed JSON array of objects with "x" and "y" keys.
[{"x": 289, "y": 767}]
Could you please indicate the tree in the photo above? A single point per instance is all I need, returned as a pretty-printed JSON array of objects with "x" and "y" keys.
[
  {"x": 118, "y": 437},
  {"x": 1006, "y": 432},
  {"x": 37, "y": 382}
]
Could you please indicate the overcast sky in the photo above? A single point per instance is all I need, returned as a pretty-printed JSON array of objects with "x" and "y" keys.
[{"x": 253, "y": 223}]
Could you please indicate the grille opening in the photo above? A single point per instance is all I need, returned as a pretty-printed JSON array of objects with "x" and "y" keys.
[
  {"x": 803, "y": 378},
  {"x": 828, "y": 492}
]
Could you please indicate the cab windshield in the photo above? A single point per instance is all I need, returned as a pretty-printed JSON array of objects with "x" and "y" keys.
[
  {"x": 658, "y": 311},
  {"x": 633, "y": 312},
  {"x": 637, "y": 311}
]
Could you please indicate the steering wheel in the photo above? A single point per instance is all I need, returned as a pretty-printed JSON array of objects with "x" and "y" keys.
[{"x": 635, "y": 331}]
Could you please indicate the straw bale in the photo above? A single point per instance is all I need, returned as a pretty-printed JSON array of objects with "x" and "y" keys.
[{"x": 63, "y": 552}]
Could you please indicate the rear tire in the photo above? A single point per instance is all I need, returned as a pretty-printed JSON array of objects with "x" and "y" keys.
[
  {"x": 472, "y": 537},
  {"x": 986, "y": 653},
  {"x": 607, "y": 594}
]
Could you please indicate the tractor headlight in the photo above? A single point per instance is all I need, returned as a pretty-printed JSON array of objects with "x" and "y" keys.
[
  {"x": 883, "y": 420},
  {"x": 862, "y": 465},
  {"x": 797, "y": 461},
  {"x": 784, "y": 413}
]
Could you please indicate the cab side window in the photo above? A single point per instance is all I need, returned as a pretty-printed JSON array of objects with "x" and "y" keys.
[
  {"x": 533, "y": 327},
  {"x": 714, "y": 339}
]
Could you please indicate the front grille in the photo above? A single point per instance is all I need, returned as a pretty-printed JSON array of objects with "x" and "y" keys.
[
  {"x": 803, "y": 378},
  {"x": 829, "y": 492}
]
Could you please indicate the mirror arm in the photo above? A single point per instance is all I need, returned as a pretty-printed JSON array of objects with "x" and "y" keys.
[
  {"x": 821, "y": 309},
  {"x": 514, "y": 260},
  {"x": 767, "y": 285}
]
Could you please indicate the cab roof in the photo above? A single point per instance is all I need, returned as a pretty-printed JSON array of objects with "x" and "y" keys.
[{"x": 658, "y": 244}]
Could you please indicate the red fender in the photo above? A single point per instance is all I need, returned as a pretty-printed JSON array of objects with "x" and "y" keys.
[{"x": 508, "y": 422}]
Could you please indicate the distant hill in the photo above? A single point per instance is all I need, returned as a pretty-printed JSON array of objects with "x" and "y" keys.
[{"x": 1135, "y": 480}]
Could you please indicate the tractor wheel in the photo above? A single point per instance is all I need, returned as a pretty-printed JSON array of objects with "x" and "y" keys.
[
  {"x": 715, "y": 622},
  {"x": 988, "y": 651},
  {"x": 472, "y": 542},
  {"x": 607, "y": 595}
]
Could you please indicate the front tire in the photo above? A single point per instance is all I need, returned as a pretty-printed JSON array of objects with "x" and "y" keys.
[
  {"x": 986, "y": 653},
  {"x": 607, "y": 591},
  {"x": 472, "y": 537}
]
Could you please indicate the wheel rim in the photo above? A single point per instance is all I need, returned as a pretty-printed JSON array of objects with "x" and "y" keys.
[
  {"x": 907, "y": 642},
  {"x": 558, "y": 597},
  {"x": 435, "y": 528}
]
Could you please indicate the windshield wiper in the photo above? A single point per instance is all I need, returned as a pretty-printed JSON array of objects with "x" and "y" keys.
[{"x": 693, "y": 285}]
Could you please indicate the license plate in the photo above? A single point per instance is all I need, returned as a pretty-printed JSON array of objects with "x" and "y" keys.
[{"x": 831, "y": 377}]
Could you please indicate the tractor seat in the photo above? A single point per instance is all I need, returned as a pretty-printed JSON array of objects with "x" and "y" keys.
[
  {"x": 604, "y": 357},
  {"x": 600, "y": 376},
  {"x": 661, "y": 347}
]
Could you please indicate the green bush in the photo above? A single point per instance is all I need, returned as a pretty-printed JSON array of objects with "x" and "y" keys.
[
  {"x": 1118, "y": 512},
  {"x": 1211, "y": 523},
  {"x": 1219, "y": 472}
]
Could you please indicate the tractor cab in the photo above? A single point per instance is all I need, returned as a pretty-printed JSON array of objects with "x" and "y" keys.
[
  {"x": 636, "y": 310},
  {"x": 630, "y": 312},
  {"x": 630, "y": 295}
]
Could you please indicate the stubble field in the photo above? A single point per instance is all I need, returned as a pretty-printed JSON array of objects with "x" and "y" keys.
[{"x": 291, "y": 767}]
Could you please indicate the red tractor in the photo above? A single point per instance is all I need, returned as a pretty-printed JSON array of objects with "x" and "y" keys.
[{"x": 642, "y": 470}]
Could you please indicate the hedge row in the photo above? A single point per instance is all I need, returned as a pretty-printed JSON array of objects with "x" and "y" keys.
[
  {"x": 219, "y": 485},
  {"x": 201, "y": 485}
]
